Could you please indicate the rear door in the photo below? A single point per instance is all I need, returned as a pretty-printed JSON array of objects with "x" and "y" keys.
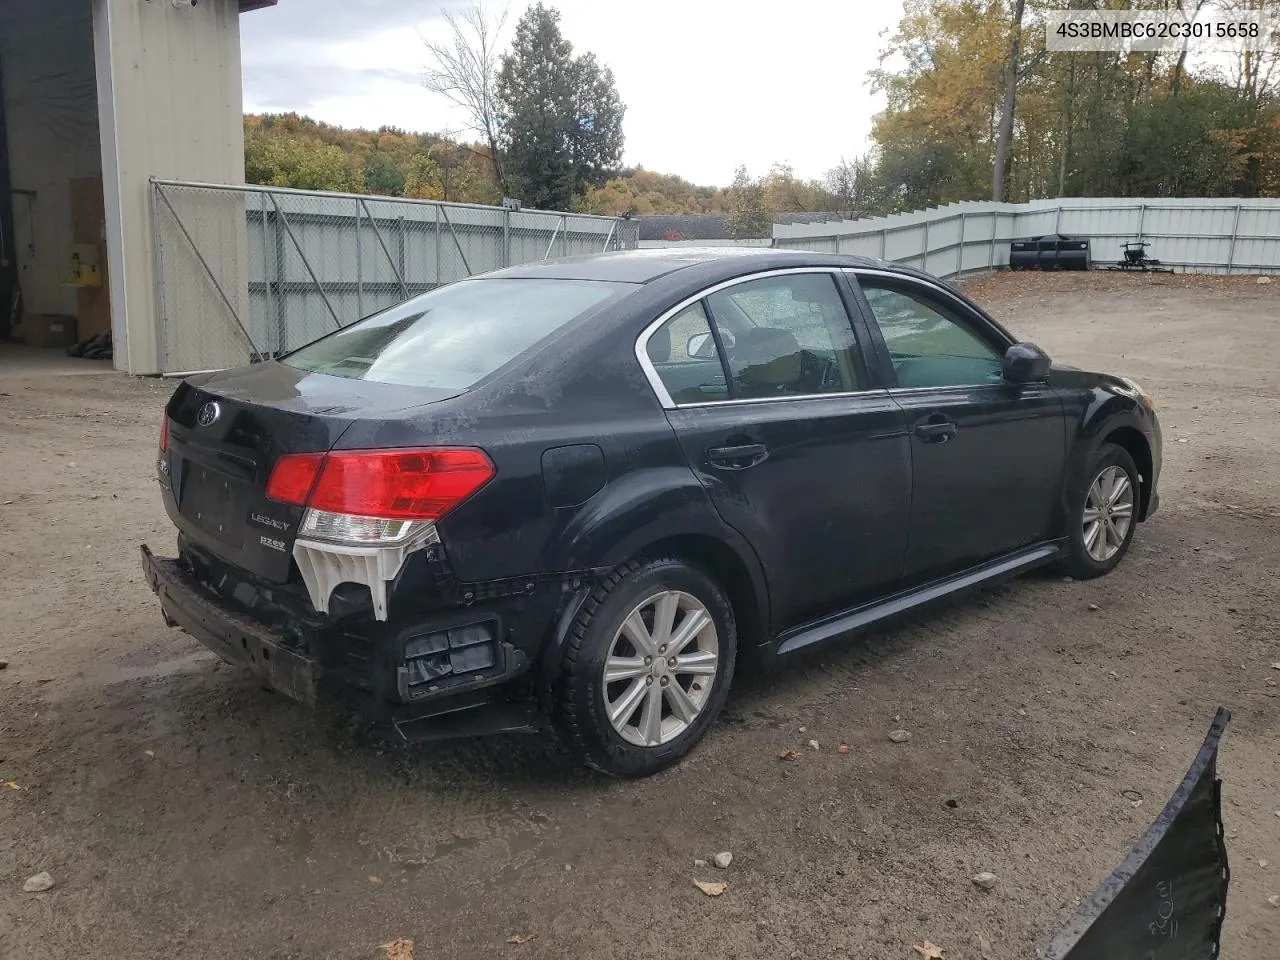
[
  {"x": 987, "y": 456},
  {"x": 800, "y": 448}
]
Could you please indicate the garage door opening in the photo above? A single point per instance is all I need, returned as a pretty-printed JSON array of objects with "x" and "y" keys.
[{"x": 54, "y": 282}]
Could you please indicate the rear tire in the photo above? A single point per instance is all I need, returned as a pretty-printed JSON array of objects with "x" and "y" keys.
[
  {"x": 1103, "y": 516},
  {"x": 646, "y": 667}
]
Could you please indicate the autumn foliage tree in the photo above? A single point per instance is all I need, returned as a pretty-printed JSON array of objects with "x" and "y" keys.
[
  {"x": 1076, "y": 124},
  {"x": 748, "y": 218}
]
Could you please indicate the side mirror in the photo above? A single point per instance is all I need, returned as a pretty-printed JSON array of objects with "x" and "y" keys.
[
  {"x": 700, "y": 347},
  {"x": 1026, "y": 363}
]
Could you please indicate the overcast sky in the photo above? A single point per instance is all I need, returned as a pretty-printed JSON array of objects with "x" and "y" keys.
[{"x": 708, "y": 84}]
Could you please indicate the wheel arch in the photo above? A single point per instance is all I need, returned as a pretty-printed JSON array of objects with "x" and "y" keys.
[
  {"x": 688, "y": 529},
  {"x": 727, "y": 567},
  {"x": 1131, "y": 440}
]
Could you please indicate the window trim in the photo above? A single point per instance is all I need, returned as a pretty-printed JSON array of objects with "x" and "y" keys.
[
  {"x": 660, "y": 389},
  {"x": 979, "y": 324}
]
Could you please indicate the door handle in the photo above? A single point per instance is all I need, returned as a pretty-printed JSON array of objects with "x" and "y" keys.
[
  {"x": 935, "y": 428},
  {"x": 738, "y": 457}
]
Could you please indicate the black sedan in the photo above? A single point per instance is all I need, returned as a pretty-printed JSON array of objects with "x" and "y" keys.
[{"x": 585, "y": 490}]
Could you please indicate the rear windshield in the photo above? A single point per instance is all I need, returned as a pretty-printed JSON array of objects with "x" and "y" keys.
[{"x": 456, "y": 335}]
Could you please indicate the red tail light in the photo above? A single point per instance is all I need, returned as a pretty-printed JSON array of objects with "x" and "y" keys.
[
  {"x": 389, "y": 484},
  {"x": 164, "y": 432},
  {"x": 293, "y": 477}
]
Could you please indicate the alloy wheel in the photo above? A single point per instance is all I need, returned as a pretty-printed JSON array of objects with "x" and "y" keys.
[
  {"x": 661, "y": 667},
  {"x": 1108, "y": 513}
]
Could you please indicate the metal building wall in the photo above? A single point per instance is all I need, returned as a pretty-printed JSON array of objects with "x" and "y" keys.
[{"x": 170, "y": 106}]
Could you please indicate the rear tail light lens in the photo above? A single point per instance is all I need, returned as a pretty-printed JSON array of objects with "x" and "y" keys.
[
  {"x": 293, "y": 477},
  {"x": 399, "y": 484},
  {"x": 374, "y": 496},
  {"x": 164, "y": 433}
]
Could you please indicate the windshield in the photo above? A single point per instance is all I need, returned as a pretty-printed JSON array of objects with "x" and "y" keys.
[{"x": 456, "y": 335}]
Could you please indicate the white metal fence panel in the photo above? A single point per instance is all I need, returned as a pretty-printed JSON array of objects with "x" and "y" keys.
[
  {"x": 249, "y": 272},
  {"x": 1199, "y": 235}
]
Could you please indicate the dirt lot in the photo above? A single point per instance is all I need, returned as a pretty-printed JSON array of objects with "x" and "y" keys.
[{"x": 184, "y": 813}]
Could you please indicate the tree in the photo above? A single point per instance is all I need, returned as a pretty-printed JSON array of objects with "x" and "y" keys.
[
  {"x": 747, "y": 216},
  {"x": 294, "y": 162},
  {"x": 463, "y": 71},
  {"x": 560, "y": 117},
  {"x": 1014, "y": 72},
  {"x": 1109, "y": 123},
  {"x": 381, "y": 175},
  {"x": 423, "y": 179},
  {"x": 853, "y": 186}
]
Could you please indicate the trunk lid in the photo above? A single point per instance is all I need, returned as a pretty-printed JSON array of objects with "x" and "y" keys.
[{"x": 228, "y": 429}]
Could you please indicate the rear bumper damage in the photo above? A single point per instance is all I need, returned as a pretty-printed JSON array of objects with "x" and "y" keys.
[
  {"x": 237, "y": 639},
  {"x": 448, "y": 675}
]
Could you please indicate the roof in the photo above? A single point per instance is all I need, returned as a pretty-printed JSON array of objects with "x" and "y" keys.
[
  {"x": 817, "y": 216},
  {"x": 247, "y": 5},
  {"x": 688, "y": 226},
  {"x": 715, "y": 226},
  {"x": 642, "y": 266}
]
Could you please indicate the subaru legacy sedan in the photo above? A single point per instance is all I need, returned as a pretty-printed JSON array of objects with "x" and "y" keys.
[{"x": 585, "y": 491}]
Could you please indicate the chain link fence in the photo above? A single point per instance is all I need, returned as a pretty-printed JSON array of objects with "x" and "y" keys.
[{"x": 246, "y": 273}]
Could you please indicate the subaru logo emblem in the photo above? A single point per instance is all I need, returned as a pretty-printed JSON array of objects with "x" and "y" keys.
[{"x": 208, "y": 415}]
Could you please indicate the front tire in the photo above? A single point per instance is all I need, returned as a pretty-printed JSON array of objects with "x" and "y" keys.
[
  {"x": 1104, "y": 515},
  {"x": 646, "y": 667}
]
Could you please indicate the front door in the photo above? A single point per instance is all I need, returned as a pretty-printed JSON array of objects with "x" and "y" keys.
[
  {"x": 799, "y": 452},
  {"x": 987, "y": 456}
]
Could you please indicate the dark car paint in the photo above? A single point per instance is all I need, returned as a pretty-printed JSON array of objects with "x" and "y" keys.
[
  {"x": 822, "y": 551},
  {"x": 530, "y": 558}
]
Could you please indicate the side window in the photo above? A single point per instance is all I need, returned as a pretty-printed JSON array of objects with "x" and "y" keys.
[
  {"x": 786, "y": 335},
  {"x": 929, "y": 347},
  {"x": 684, "y": 355}
]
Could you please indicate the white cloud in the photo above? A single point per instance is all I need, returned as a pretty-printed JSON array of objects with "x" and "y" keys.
[{"x": 708, "y": 84}]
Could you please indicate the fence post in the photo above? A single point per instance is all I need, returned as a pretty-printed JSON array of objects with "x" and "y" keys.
[
  {"x": 282, "y": 310},
  {"x": 1142, "y": 216},
  {"x": 437, "y": 209},
  {"x": 995, "y": 228},
  {"x": 884, "y": 242},
  {"x": 564, "y": 236},
  {"x": 960, "y": 248},
  {"x": 506, "y": 237},
  {"x": 283, "y": 221},
  {"x": 157, "y": 264},
  {"x": 359, "y": 267},
  {"x": 1235, "y": 228},
  {"x": 400, "y": 251},
  {"x": 268, "y": 295},
  {"x": 1057, "y": 220},
  {"x": 377, "y": 235},
  {"x": 925, "y": 263}
]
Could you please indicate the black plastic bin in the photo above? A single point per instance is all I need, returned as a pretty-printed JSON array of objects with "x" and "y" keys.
[{"x": 1053, "y": 251}]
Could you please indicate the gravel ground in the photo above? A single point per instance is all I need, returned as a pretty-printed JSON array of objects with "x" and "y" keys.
[{"x": 184, "y": 813}]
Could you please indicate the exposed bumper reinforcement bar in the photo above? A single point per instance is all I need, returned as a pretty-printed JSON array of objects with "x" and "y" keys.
[{"x": 236, "y": 639}]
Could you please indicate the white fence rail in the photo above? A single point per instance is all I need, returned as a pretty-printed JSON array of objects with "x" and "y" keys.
[
  {"x": 1191, "y": 235},
  {"x": 249, "y": 272}
]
